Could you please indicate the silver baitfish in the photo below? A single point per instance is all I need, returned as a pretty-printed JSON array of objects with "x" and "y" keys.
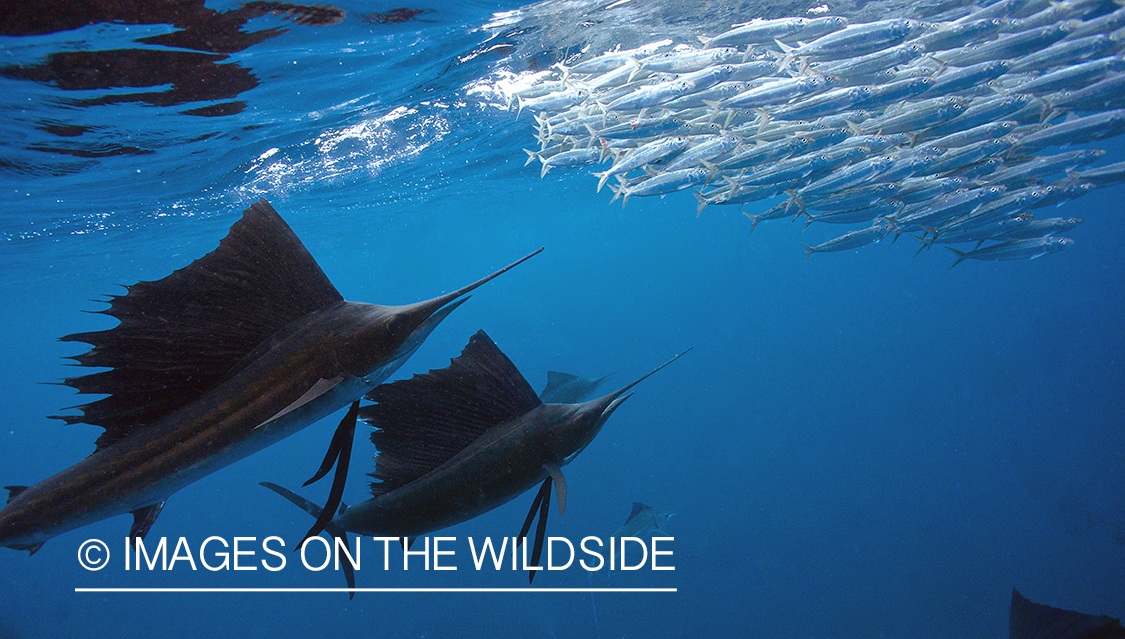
[
  {"x": 851, "y": 240},
  {"x": 1015, "y": 249},
  {"x": 943, "y": 126}
]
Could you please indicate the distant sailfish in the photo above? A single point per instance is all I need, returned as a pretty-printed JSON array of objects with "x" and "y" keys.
[
  {"x": 236, "y": 351},
  {"x": 643, "y": 519},
  {"x": 457, "y": 442},
  {"x": 564, "y": 388}
]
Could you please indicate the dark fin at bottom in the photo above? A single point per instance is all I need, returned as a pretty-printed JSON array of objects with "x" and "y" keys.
[
  {"x": 540, "y": 530},
  {"x": 30, "y": 548},
  {"x": 333, "y": 529},
  {"x": 297, "y": 500},
  {"x": 1029, "y": 620},
  {"x": 540, "y": 505},
  {"x": 143, "y": 519},
  {"x": 545, "y": 489}
]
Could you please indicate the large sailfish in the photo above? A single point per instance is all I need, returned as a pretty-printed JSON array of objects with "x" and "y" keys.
[
  {"x": 236, "y": 351},
  {"x": 457, "y": 442}
]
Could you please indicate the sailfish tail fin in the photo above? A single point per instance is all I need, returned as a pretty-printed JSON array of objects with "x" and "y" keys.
[{"x": 331, "y": 528}]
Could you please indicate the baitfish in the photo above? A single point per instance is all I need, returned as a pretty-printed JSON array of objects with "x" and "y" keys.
[
  {"x": 759, "y": 31},
  {"x": 650, "y": 152},
  {"x": 1085, "y": 129},
  {"x": 661, "y": 184},
  {"x": 963, "y": 101},
  {"x": 854, "y": 239},
  {"x": 1015, "y": 249},
  {"x": 855, "y": 40}
]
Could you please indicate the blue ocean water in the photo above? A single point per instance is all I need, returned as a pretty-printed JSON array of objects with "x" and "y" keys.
[{"x": 866, "y": 444}]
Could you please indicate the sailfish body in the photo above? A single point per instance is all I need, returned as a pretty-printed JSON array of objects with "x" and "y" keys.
[
  {"x": 238, "y": 350},
  {"x": 457, "y": 442},
  {"x": 511, "y": 442}
]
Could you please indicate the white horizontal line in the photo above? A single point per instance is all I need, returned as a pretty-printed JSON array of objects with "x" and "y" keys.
[{"x": 385, "y": 590}]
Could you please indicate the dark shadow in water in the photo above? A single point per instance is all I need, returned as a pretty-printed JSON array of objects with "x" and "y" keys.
[
  {"x": 401, "y": 14},
  {"x": 197, "y": 71},
  {"x": 192, "y": 76}
]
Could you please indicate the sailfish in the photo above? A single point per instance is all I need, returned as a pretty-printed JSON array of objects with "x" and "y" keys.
[
  {"x": 224, "y": 357},
  {"x": 457, "y": 442}
]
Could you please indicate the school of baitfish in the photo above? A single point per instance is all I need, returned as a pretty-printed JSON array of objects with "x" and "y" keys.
[{"x": 956, "y": 130}]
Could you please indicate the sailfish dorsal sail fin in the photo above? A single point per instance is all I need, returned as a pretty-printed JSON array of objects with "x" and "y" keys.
[
  {"x": 557, "y": 380},
  {"x": 180, "y": 335},
  {"x": 424, "y": 421}
]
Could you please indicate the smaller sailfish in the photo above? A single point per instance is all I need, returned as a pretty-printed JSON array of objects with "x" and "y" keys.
[{"x": 457, "y": 442}]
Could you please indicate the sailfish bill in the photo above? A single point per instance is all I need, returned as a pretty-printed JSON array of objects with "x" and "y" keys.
[
  {"x": 236, "y": 351},
  {"x": 456, "y": 442}
]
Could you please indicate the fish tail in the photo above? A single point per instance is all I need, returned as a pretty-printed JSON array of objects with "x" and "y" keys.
[
  {"x": 621, "y": 191},
  {"x": 602, "y": 177},
  {"x": 616, "y": 193},
  {"x": 730, "y": 117},
  {"x": 1051, "y": 112},
  {"x": 960, "y": 256},
  {"x": 331, "y": 528},
  {"x": 714, "y": 170},
  {"x": 531, "y": 156},
  {"x": 564, "y": 69},
  {"x": 942, "y": 65},
  {"x": 755, "y": 219},
  {"x": 795, "y": 198},
  {"x": 636, "y": 64},
  {"x": 764, "y": 116},
  {"x": 703, "y": 201},
  {"x": 1051, "y": 109},
  {"x": 923, "y": 244},
  {"x": 713, "y": 105},
  {"x": 810, "y": 250},
  {"x": 297, "y": 500},
  {"x": 787, "y": 54},
  {"x": 935, "y": 231}
]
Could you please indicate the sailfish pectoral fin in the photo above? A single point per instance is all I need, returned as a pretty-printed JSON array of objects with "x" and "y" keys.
[
  {"x": 143, "y": 519},
  {"x": 340, "y": 454},
  {"x": 560, "y": 485},
  {"x": 318, "y": 389}
]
